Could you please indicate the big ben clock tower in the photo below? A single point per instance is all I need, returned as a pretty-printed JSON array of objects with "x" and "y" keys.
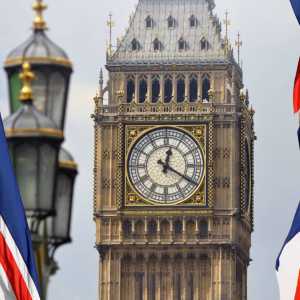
[{"x": 173, "y": 175}]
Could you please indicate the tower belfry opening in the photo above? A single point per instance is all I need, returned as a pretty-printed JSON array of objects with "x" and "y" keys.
[{"x": 174, "y": 152}]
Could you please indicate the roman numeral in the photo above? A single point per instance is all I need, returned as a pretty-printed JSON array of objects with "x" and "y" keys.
[
  {"x": 144, "y": 178},
  {"x": 153, "y": 187}
]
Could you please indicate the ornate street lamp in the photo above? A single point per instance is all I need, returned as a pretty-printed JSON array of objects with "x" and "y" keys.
[
  {"x": 34, "y": 141},
  {"x": 58, "y": 226},
  {"x": 50, "y": 64}
]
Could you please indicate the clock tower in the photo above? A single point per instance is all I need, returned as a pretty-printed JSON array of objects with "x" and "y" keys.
[{"x": 173, "y": 173}]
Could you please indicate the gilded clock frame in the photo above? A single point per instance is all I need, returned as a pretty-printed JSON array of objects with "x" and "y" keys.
[{"x": 199, "y": 132}]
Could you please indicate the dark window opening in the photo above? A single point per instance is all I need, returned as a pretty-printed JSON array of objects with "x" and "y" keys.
[
  {"x": 155, "y": 90},
  {"x": 135, "y": 45},
  {"x": 168, "y": 90},
  {"x": 193, "y": 21},
  {"x": 181, "y": 44},
  {"x": 152, "y": 228},
  {"x": 205, "y": 89},
  {"x": 204, "y": 44},
  {"x": 156, "y": 45},
  {"x": 193, "y": 90},
  {"x": 130, "y": 90},
  {"x": 180, "y": 90},
  {"x": 171, "y": 22},
  {"x": 143, "y": 91},
  {"x": 203, "y": 229},
  {"x": 149, "y": 22},
  {"x": 228, "y": 97},
  {"x": 127, "y": 229},
  {"x": 178, "y": 227}
]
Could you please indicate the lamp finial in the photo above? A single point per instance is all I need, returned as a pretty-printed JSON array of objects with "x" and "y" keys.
[
  {"x": 26, "y": 77},
  {"x": 39, "y": 23}
]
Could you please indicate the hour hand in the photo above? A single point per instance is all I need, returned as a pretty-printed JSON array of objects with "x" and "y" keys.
[
  {"x": 164, "y": 164},
  {"x": 169, "y": 153}
]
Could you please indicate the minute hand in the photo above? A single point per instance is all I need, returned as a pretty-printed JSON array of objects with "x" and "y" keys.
[{"x": 182, "y": 175}]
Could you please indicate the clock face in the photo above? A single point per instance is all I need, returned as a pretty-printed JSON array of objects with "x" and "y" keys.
[{"x": 166, "y": 166}]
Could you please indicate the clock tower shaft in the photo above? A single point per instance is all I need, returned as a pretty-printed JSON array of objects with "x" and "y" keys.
[{"x": 174, "y": 70}]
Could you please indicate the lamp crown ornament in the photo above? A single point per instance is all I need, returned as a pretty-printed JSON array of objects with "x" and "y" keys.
[
  {"x": 26, "y": 76},
  {"x": 39, "y": 22}
]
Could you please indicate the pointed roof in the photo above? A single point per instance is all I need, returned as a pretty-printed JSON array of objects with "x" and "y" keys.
[
  {"x": 207, "y": 26},
  {"x": 38, "y": 48}
]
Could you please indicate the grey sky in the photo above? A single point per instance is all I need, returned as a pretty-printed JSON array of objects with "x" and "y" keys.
[{"x": 270, "y": 35}]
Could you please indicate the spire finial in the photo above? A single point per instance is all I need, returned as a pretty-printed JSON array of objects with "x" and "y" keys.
[
  {"x": 39, "y": 23},
  {"x": 110, "y": 24},
  {"x": 227, "y": 24},
  {"x": 26, "y": 77},
  {"x": 101, "y": 78},
  {"x": 239, "y": 44}
]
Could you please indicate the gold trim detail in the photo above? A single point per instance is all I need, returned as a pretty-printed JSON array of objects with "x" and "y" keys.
[
  {"x": 39, "y": 60},
  {"x": 68, "y": 164},
  {"x": 49, "y": 132},
  {"x": 199, "y": 133}
]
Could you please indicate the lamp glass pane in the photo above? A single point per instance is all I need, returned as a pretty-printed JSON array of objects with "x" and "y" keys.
[
  {"x": 15, "y": 87},
  {"x": 62, "y": 206},
  {"x": 47, "y": 169},
  {"x": 25, "y": 157},
  {"x": 55, "y": 104},
  {"x": 39, "y": 87}
]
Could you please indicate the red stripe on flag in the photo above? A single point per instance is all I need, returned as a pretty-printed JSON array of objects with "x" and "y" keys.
[
  {"x": 297, "y": 295},
  {"x": 12, "y": 272},
  {"x": 297, "y": 90}
]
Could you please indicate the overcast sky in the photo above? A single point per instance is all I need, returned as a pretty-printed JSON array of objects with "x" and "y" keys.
[{"x": 270, "y": 35}]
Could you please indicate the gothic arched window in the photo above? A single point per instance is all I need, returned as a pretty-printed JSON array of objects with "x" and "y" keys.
[
  {"x": 205, "y": 88},
  {"x": 156, "y": 45},
  {"x": 168, "y": 89},
  {"x": 155, "y": 89},
  {"x": 182, "y": 44},
  {"x": 193, "y": 89},
  {"x": 149, "y": 22},
  {"x": 171, "y": 22},
  {"x": 193, "y": 21},
  {"x": 180, "y": 90},
  {"x": 143, "y": 89},
  {"x": 204, "y": 44},
  {"x": 135, "y": 45},
  {"x": 130, "y": 90}
]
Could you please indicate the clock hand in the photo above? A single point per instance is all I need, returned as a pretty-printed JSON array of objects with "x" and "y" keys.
[
  {"x": 183, "y": 176},
  {"x": 160, "y": 162},
  {"x": 169, "y": 153}
]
